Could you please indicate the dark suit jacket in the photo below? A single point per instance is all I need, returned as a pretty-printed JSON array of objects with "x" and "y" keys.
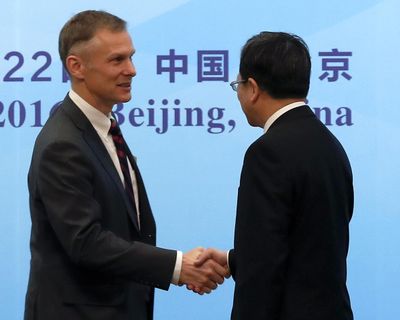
[
  {"x": 89, "y": 260},
  {"x": 295, "y": 202}
]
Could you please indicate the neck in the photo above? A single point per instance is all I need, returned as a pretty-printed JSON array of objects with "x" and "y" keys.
[{"x": 81, "y": 90}]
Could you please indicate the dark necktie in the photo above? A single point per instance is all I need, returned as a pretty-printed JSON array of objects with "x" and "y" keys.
[{"x": 119, "y": 143}]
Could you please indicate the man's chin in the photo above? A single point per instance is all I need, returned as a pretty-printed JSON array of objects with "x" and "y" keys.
[{"x": 126, "y": 98}]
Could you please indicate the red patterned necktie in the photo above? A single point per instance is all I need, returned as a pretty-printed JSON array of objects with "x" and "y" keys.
[{"x": 119, "y": 143}]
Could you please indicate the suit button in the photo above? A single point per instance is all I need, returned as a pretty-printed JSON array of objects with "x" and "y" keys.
[{"x": 150, "y": 236}]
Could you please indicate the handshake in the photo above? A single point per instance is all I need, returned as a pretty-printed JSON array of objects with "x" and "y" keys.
[{"x": 204, "y": 269}]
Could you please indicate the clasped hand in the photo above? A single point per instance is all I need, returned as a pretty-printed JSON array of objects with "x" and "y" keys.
[{"x": 203, "y": 270}]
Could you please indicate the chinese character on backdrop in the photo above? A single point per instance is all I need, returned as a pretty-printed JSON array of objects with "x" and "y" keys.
[
  {"x": 212, "y": 65},
  {"x": 172, "y": 64},
  {"x": 333, "y": 63}
]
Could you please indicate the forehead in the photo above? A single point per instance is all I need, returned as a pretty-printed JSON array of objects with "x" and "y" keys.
[{"x": 110, "y": 41}]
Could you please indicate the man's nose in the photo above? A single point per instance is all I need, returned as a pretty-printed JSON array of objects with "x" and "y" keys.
[{"x": 130, "y": 69}]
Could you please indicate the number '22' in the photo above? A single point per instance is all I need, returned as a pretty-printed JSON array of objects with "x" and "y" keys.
[{"x": 37, "y": 76}]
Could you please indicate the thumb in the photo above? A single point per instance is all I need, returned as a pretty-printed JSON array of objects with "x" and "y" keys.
[{"x": 203, "y": 258}]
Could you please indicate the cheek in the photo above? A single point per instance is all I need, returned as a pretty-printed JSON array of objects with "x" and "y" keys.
[
  {"x": 242, "y": 100},
  {"x": 239, "y": 96}
]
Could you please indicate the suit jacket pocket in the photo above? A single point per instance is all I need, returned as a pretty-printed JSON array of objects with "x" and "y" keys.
[{"x": 104, "y": 295}]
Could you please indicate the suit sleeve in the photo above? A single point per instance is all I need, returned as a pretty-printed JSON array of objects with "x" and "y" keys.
[
  {"x": 232, "y": 263},
  {"x": 261, "y": 235},
  {"x": 65, "y": 183}
]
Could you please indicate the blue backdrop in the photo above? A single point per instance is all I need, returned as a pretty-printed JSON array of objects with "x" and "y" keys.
[{"x": 186, "y": 127}]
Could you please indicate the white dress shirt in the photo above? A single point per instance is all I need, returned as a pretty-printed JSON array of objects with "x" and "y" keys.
[{"x": 102, "y": 124}]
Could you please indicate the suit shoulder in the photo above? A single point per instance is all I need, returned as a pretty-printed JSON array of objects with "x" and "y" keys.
[
  {"x": 58, "y": 130},
  {"x": 298, "y": 142},
  {"x": 272, "y": 144}
]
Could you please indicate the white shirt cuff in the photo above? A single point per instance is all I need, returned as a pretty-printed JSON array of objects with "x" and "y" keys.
[
  {"x": 227, "y": 260},
  {"x": 178, "y": 266}
]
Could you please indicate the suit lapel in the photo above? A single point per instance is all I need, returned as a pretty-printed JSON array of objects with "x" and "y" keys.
[{"x": 96, "y": 145}]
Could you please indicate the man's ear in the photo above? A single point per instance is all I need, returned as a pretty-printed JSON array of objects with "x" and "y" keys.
[
  {"x": 75, "y": 66},
  {"x": 255, "y": 90}
]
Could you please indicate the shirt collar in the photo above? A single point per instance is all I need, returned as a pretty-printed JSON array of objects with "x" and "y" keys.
[
  {"x": 280, "y": 112},
  {"x": 99, "y": 120}
]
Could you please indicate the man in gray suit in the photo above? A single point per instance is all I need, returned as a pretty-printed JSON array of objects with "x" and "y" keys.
[{"x": 93, "y": 232}]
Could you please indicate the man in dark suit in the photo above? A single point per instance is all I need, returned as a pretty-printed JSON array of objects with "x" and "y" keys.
[
  {"x": 93, "y": 233},
  {"x": 295, "y": 199}
]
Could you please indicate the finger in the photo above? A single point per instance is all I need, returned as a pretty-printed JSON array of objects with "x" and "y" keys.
[
  {"x": 213, "y": 281},
  {"x": 190, "y": 287},
  {"x": 203, "y": 257},
  {"x": 199, "y": 291},
  {"x": 228, "y": 273},
  {"x": 216, "y": 279},
  {"x": 200, "y": 249},
  {"x": 206, "y": 284},
  {"x": 219, "y": 272},
  {"x": 194, "y": 289},
  {"x": 207, "y": 289}
]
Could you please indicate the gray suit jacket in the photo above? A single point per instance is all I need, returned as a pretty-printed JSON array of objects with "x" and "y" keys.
[{"x": 89, "y": 259}]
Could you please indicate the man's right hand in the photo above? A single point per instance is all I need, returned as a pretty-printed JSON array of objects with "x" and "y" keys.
[{"x": 201, "y": 277}]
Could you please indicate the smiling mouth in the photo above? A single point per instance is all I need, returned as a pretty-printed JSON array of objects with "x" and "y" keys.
[{"x": 126, "y": 86}]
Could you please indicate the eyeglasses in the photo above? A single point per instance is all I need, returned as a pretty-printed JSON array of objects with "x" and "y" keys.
[{"x": 234, "y": 84}]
